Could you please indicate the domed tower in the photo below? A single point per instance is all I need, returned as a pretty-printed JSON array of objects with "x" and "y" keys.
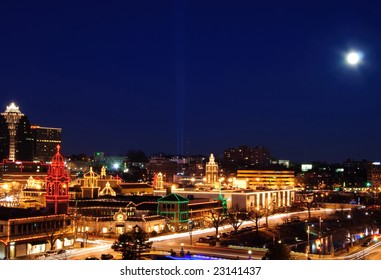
[{"x": 57, "y": 185}]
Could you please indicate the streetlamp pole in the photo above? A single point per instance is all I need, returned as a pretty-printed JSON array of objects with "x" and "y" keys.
[
  {"x": 190, "y": 227},
  {"x": 249, "y": 252},
  {"x": 308, "y": 242},
  {"x": 320, "y": 237}
]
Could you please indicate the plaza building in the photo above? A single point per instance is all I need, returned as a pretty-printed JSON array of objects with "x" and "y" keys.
[
  {"x": 94, "y": 185},
  {"x": 243, "y": 199},
  {"x": 113, "y": 215},
  {"x": 29, "y": 231}
]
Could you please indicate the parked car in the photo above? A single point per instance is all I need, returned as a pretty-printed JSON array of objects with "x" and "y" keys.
[
  {"x": 91, "y": 258},
  {"x": 367, "y": 243},
  {"x": 107, "y": 256},
  {"x": 203, "y": 240},
  {"x": 50, "y": 253}
]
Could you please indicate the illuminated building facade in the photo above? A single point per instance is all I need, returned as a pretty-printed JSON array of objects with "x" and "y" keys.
[
  {"x": 57, "y": 185},
  {"x": 33, "y": 194},
  {"x": 113, "y": 215},
  {"x": 249, "y": 199},
  {"x": 175, "y": 208},
  {"x": 46, "y": 140},
  {"x": 268, "y": 179},
  {"x": 16, "y": 138},
  {"x": 27, "y": 232}
]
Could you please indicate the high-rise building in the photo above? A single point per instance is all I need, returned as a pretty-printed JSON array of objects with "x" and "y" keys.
[
  {"x": 46, "y": 140},
  {"x": 16, "y": 139}
]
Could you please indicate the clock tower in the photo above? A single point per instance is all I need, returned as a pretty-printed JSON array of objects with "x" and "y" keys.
[{"x": 57, "y": 185}]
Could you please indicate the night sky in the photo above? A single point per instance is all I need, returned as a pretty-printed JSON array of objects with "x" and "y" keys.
[{"x": 196, "y": 77}]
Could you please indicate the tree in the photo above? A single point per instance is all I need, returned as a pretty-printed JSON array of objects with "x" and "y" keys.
[
  {"x": 131, "y": 244},
  {"x": 255, "y": 215},
  {"x": 235, "y": 217},
  {"x": 55, "y": 230},
  {"x": 215, "y": 219},
  {"x": 277, "y": 251},
  {"x": 307, "y": 200}
]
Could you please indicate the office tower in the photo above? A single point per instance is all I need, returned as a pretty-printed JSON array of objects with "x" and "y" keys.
[
  {"x": 46, "y": 140},
  {"x": 16, "y": 140}
]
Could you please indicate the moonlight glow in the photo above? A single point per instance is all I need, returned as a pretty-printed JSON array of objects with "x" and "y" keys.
[{"x": 353, "y": 58}]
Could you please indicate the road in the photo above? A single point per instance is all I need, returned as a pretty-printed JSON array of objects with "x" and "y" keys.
[{"x": 174, "y": 241}]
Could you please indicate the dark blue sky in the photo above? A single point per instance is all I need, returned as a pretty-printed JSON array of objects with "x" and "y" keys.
[{"x": 197, "y": 76}]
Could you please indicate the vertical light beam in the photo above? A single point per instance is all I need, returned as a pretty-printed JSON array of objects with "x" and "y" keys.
[{"x": 180, "y": 74}]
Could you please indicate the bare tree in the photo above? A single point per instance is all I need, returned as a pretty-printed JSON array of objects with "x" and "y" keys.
[
  {"x": 215, "y": 219},
  {"x": 57, "y": 229},
  {"x": 255, "y": 215},
  {"x": 235, "y": 217},
  {"x": 307, "y": 200},
  {"x": 77, "y": 221}
]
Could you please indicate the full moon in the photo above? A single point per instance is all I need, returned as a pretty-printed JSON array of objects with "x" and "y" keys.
[{"x": 353, "y": 58}]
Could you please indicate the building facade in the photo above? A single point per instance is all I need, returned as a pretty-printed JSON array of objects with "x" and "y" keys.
[{"x": 28, "y": 232}]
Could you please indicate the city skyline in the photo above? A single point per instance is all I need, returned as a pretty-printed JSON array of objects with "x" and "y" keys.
[{"x": 191, "y": 78}]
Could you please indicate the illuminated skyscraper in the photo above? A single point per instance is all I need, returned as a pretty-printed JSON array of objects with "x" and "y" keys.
[{"x": 16, "y": 140}]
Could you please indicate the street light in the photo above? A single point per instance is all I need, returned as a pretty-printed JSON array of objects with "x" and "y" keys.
[
  {"x": 182, "y": 250},
  {"x": 249, "y": 252}
]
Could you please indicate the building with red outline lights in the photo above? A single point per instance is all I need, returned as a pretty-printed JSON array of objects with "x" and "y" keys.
[{"x": 57, "y": 185}]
